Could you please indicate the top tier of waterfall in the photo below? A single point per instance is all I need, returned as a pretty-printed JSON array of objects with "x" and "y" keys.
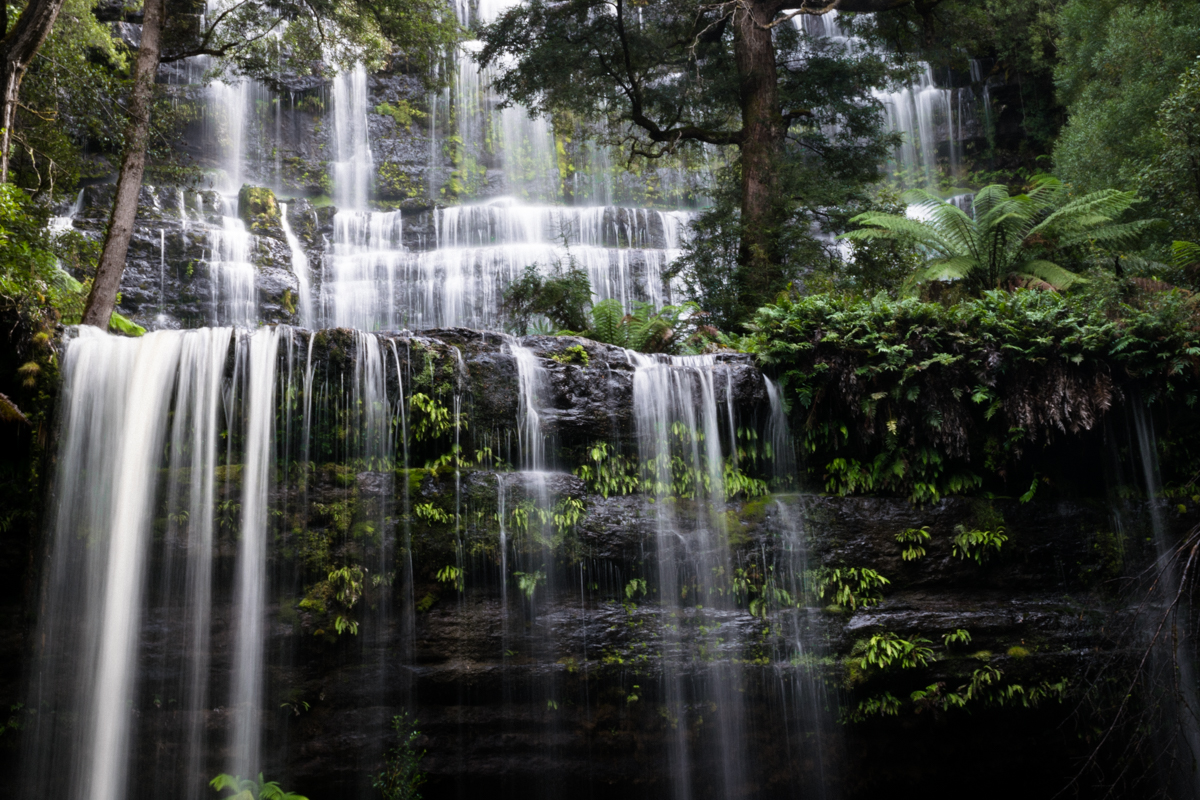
[
  {"x": 487, "y": 197},
  {"x": 934, "y": 120}
]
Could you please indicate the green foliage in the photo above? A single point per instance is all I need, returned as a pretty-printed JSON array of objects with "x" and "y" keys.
[
  {"x": 913, "y": 541},
  {"x": 1171, "y": 181},
  {"x": 645, "y": 330},
  {"x": 850, "y": 587},
  {"x": 429, "y": 419},
  {"x": 958, "y": 636},
  {"x": 402, "y": 111},
  {"x": 402, "y": 778},
  {"x": 924, "y": 400},
  {"x": 452, "y": 575},
  {"x": 346, "y": 584},
  {"x": 760, "y": 591},
  {"x": 886, "y": 650},
  {"x": 1118, "y": 62},
  {"x": 978, "y": 546},
  {"x": 431, "y": 514},
  {"x": 1007, "y": 238},
  {"x": 248, "y": 789},
  {"x": 528, "y": 582},
  {"x": 608, "y": 473},
  {"x": 562, "y": 296}
]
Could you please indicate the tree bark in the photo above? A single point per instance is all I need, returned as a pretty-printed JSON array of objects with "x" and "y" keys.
[
  {"x": 103, "y": 297},
  {"x": 759, "y": 273},
  {"x": 17, "y": 50}
]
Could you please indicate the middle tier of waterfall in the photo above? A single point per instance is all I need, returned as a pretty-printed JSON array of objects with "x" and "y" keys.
[{"x": 370, "y": 281}]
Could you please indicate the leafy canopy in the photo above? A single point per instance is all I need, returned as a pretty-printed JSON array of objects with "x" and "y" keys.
[
  {"x": 1007, "y": 239},
  {"x": 1118, "y": 60}
]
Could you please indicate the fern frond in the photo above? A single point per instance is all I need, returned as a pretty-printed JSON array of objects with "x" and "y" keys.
[
  {"x": 1049, "y": 272},
  {"x": 1116, "y": 234},
  {"x": 1184, "y": 254},
  {"x": 607, "y": 316},
  {"x": 947, "y": 269}
]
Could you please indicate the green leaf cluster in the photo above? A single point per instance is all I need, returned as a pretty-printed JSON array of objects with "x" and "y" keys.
[{"x": 920, "y": 399}]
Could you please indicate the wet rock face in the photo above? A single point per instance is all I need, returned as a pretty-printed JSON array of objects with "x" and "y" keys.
[
  {"x": 169, "y": 279},
  {"x": 516, "y": 695}
]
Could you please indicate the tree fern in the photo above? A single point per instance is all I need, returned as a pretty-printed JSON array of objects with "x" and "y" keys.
[
  {"x": 1006, "y": 237},
  {"x": 607, "y": 316}
]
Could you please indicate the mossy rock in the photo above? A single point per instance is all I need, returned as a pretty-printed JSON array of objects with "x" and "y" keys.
[{"x": 258, "y": 209}]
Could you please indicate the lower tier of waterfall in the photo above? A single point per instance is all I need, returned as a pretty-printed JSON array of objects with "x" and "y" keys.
[
  {"x": 581, "y": 569},
  {"x": 233, "y": 507}
]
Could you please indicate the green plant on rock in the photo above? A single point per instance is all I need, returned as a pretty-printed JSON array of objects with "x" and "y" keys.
[
  {"x": 568, "y": 513},
  {"x": 644, "y": 329},
  {"x": 913, "y": 541},
  {"x": 850, "y": 587},
  {"x": 402, "y": 111},
  {"x": 402, "y": 778},
  {"x": 347, "y": 585},
  {"x": 979, "y": 546},
  {"x": 986, "y": 687},
  {"x": 886, "y": 650},
  {"x": 429, "y": 419},
  {"x": 528, "y": 582},
  {"x": 739, "y": 483},
  {"x": 958, "y": 636},
  {"x": 248, "y": 789},
  {"x": 759, "y": 590},
  {"x": 561, "y": 295},
  {"x": 607, "y": 473},
  {"x": 452, "y": 575},
  {"x": 575, "y": 354},
  {"x": 1008, "y": 239},
  {"x": 431, "y": 514}
]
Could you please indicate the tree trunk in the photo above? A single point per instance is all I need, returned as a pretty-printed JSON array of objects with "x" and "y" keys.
[
  {"x": 17, "y": 50},
  {"x": 103, "y": 297},
  {"x": 760, "y": 274}
]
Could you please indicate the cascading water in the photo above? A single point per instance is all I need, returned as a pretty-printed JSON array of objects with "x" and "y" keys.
[
  {"x": 679, "y": 439},
  {"x": 1168, "y": 640},
  {"x": 241, "y": 451},
  {"x": 934, "y": 122}
]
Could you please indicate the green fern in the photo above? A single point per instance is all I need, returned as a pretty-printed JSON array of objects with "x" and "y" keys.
[
  {"x": 607, "y": 319},
  {"x": 1009, "y": 238}
]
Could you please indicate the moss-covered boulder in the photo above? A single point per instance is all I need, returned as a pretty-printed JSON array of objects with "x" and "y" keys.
[{"x": 259, "y": 210}]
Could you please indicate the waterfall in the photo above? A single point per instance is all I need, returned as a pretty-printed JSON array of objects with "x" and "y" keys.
[
  {"x": 234, "y": 297},
  {"x": 117, "y": 393},
  {"x": 678, "y": 422},
  {"x": 352, "y": 150},
  {"x": 930, "y": 119},
  {"x": 300, "y": 268},
  {"x": 250, "y": 592},
  {"x": 1175, "y": 648}
]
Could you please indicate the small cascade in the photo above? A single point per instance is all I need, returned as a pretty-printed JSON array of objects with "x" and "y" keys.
[
  {"x": 352, "y": 150},
  {"x": 300, "y": 268},
  {"x": 1165, "y": 626},
  {"x": 234, "y": 298},
  {"x": 67, "y": 221},
  {"x": 933, "y": 121},
  {"x": 364, "y": 270},
  {"x": 372, "y": 282}
]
